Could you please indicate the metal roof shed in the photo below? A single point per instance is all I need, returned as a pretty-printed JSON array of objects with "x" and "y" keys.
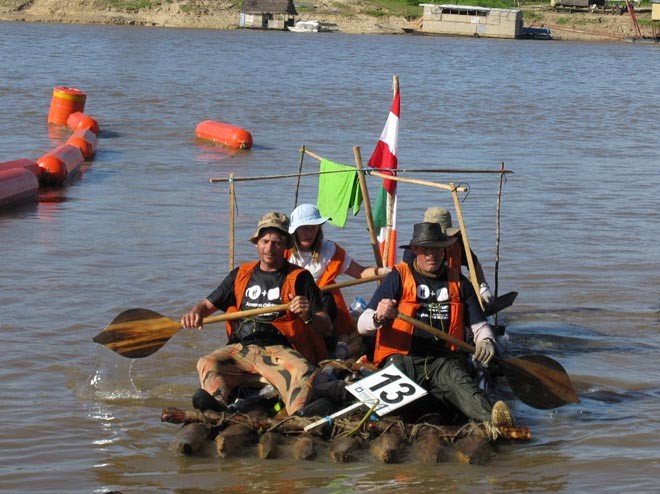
[
  {"x": 267, "y": 14},
  {"x": 465, "y": 20}
]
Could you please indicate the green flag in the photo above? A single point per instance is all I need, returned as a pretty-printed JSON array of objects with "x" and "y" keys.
[
  {"x": 339, "y": 190},
  {"x": 380, "y": 209}
]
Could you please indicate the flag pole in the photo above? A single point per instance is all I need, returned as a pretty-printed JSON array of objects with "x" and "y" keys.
[
  {"x": 367, "y": 206},
  {"x": 390, "y": 201}
]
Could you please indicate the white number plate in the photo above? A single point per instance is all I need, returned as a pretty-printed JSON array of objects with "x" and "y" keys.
[{"x": 389, "y": 387}]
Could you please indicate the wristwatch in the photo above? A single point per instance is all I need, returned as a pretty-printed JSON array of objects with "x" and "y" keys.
[
  {"x": 378, "y": 321},
  {"x": 310, "y": 320}
]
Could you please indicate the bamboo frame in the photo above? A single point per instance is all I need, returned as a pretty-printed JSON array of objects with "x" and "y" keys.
[
  {"x": 466, "y": 244},
  {"x": 451, "y": 187},
  {"x": 300, "y": 165},
  {"x": 368, "y": 171},
  {"x": 497, "y": 237}
]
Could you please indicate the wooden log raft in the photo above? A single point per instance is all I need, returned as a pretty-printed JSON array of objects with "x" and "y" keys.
[
  {"x": 388, "y": 440},
  {"x": 296, "y": 425}
]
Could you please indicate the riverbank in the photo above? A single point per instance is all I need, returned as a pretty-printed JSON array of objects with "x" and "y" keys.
[{"x": 347, "y": 15}]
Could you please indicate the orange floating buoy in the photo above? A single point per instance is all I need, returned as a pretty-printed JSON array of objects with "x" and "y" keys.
[
  {"x": 79, "y": 120},
  {"x": 22, "y": 163},
  {"x": 60, "y": 164},
  {"x": 85, "y": 140},
  {"x": 17, "y": 185},
  {"x": 65, "y": 101},
  {"x": 225, "y": 134}
]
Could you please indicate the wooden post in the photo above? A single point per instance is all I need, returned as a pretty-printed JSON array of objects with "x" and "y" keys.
[
  {"x": 466, "y": 244},
  {"x": 497, "y": 235},
  {"x": 367, "y": 206},
  {"x": 300, "y": 165},
  {"x": 232, "y": 205}
]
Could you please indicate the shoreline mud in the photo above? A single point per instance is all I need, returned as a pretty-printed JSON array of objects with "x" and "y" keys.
[{"x": 344, "y": 14}]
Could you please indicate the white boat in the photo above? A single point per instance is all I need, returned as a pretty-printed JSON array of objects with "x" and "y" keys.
[{"x": 307, "y": 27}]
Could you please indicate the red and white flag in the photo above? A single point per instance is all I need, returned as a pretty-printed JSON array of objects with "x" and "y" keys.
[{"x": 384, "y": 158}]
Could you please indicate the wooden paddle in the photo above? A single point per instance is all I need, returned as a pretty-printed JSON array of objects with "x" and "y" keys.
[
  {"x": 137, "y": 333},
  {"x": 537, "y": 380}
]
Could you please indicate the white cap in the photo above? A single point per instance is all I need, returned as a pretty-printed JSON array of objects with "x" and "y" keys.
[{"x": 304, "y": 215}]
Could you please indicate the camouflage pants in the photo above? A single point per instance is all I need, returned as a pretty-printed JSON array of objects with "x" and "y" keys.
[{"x": 233, "y": 365}]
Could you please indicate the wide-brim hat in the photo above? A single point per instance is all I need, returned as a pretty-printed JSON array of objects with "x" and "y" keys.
[
  {"x": 428, "y": 234},
  {"x": 279, "y": 221},
  {"x": 443, "y": 218},
  {"x": 305, "y": 215}
]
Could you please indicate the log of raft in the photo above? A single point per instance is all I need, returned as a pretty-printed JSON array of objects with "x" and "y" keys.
[
  {"x": 296, "y": 425},
  {"x": 304, "y": 447},
  {"x": 388, "y": 440}
]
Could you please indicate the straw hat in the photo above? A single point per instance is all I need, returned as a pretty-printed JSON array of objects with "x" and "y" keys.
[
  {"x": 443, "y": 218},
  {"x": 279, "y": 221}
]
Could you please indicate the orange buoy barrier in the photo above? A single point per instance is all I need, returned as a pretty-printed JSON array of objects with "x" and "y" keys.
[
  {"x": 23, "y": 163},
  {"x": 60, "y": 164},
  {"x": 225, "y": 134},
  {"x": 17, "y": 185},
  {"x": 65, "y": 101},
  {"x": 79, "y": 120},
  {"x": 85, "y": 140}
]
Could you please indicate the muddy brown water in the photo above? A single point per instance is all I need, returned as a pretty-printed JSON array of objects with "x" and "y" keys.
[{"x": 143, "y": 227}]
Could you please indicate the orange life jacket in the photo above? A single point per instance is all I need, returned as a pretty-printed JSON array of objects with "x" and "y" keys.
[
  {"x": 344, "y": 323},
  {"x": 397, "y": 338},
  {"x": 302, "y": 338}
]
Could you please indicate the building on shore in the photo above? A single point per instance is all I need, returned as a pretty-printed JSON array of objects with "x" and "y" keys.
[
  {"x": 267, "y": 14},
  {"x": 465, "y": 20}
]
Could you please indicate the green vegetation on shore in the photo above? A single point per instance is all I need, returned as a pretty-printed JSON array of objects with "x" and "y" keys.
[
  {"x": 408, "y": 9},
  {"x": 354, "y": 16}
]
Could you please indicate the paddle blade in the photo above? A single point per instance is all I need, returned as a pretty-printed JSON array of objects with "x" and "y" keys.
[
  {"x": 539, "y": 381},
  {"x": 137, "y": 333},
  {"x": 500, "y": 303}
]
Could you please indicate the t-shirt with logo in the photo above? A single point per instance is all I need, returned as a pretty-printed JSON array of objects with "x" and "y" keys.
[
  {"x": 263, "y": 290},
  {"x": 435, "y": 310}
]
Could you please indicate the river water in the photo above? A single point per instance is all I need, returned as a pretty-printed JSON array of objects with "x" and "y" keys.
[{"x": 143, "y": 227}]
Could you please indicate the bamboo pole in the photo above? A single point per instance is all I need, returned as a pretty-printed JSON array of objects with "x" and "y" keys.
[
  {"x": 313, "y": 155},
  {"x": 416, "y": 181},
  {"x": 466, "y": 244},
  {"x": 497, "y": 236},
  {"x": 300, "y": 165},
  {"x": 232, "y": 206},
  {"x": 449, "y": 187},
  {"x": 445, "y": 170},
  {"x": 367, "y": 207},
  {"x": 307, "y": 174}
]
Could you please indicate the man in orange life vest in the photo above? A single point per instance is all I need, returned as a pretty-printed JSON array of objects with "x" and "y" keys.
[
  {"x": 280, "y": 347},
  {"x": 433, "y": 292}
]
